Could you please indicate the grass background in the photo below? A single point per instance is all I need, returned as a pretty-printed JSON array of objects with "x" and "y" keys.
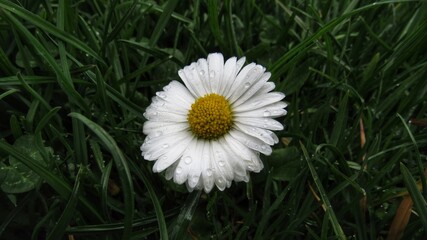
[{"x": 76, "y": 76}]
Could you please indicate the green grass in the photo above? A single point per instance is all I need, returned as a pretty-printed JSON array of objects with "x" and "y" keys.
[{"x": 76, "y": 77}]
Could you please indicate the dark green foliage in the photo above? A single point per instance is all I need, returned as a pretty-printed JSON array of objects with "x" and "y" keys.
[{"x": 76, "y": 77}]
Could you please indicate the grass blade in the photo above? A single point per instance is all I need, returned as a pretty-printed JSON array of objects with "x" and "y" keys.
[
  {"x": 339, "y": 233},
  {"x": 122, "y": 169},
  {"x": 58, "y": 184},
  {"x": 156, "y": 203},
  {"x": 184, "y": 218},
  {"x": 420, "y": 203},
  {"x": 48, "y": 27},
  {"x": 58, "y": 231}
]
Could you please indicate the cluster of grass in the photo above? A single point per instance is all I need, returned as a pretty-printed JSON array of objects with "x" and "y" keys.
[{"x": 76, "y": 76}]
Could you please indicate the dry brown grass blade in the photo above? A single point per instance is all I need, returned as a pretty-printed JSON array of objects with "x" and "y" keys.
[
  {"x": 362, "y": 136},
  {"x": 316, "y": 196},
  {"x": 401, "y": 219},
  {"x": 363, "y": 200},
  {"x": 418, "y": 122}
]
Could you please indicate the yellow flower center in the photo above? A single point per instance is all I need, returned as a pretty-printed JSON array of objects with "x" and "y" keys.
[{"x": 210, "y": 116}]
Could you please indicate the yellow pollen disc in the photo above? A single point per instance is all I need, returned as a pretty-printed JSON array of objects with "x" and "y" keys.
[{"x": 210, "y": 116}]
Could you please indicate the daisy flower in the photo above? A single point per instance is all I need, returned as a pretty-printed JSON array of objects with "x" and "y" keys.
[{"x": 211, "y": 130}]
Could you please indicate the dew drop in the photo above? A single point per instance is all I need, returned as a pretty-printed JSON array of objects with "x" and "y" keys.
[
  {"x": 158, "y": 133},
  {"x": 247, "y": 84},
  {"x": 165, "y": 145},
  {"x": 187, "y": 160},
  {"x": 209, "y": 172},
  {"x": 267, "y": 113},
  {"x": 221, "y": 163},
  {"x": 194, "y": 179},
  {"x": 164, "y": 157},
  {"x": 178, "y": 170},
  {"x": 220, "y": 180},
  {"x": 162, "y": 95},
  {"x": 212, "y": 74},
  {"x": 202, "y": 72},
  {"x": 263, "y": 147}
]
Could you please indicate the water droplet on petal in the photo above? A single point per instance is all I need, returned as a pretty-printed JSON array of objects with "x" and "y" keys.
[
  {"x": 221, "y": 163},
  {"x": 202, "y": 72},
  {"x": 267, "y": 113},
  {"x": 212, "y": 74},
  {"x": 247, "y": 85},
  {"x": 158, "y": 133},
  {"x": 220, "y": 180},
  {"x": 164, "y": 157},
  {"x": 187, "y": 159},
  {"x": 165, "y": 145},
  {"x": 209, "y": 172},
  {"x": 195, "y": 179},
  {"x": 178, "y": 170}
]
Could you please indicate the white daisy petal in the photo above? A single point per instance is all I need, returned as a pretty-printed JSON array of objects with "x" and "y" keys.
[
  {"x": 252, "y": 89},
  {"x": 259, "y": 101},
  {"x": 237, "y": 146},
  {"x": 196, "y": 165},
  {"x": 192, "y": 80},
  {"x": 252, "y": 142},
  {"x": 203, "y": 71},
  {"x": 176, "y": 93},
  {"x": 154, "y": 115},
  {"x": 273, "y": 110},
  {"x": 211, "y": 131},
  {"x": 266, "y": 123},
  {"x": 260, "y": 133},
  {"x": 216, "y": 68},
  {"x": 255, "y": 164},
  {"x": 157, "y": 129},
  {"x": 184, "y": 164},
  {"x": 207, "y": 172},
  {"x": 170, "y": 171},
  {"x": 236, "y": 163},
  {"x": 249, "y": 76},
  {"x": 230, "y": 68},
  {"x": 221, "y": 160},
  {"x": 171, "y": 155},
  {"x": 153, "y": 148},
  {"x": 237, "y": 82}
]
